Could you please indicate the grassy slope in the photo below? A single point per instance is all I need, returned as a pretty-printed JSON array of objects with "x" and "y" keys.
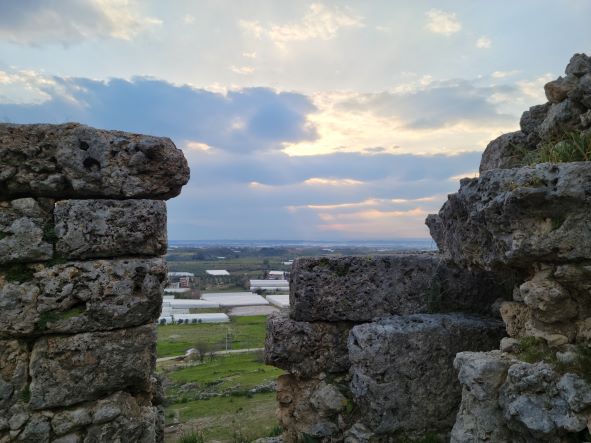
[{"x": 245, "y": 333}]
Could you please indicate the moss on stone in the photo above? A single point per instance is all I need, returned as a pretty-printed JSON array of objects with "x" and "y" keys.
[{"x": 18, "y": 272}]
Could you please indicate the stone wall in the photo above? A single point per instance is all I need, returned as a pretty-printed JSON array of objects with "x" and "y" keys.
[
  {"x": 388, "y": 349},
  {"x": 82, "y": 232},
  {"x": 369, "y": 345}
]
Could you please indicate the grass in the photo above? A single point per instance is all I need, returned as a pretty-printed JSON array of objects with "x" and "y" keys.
[
  {"x": 533, "y": 350},
  {"x": 244, "y": 370},
  {"x": 572, "y": 147},
  {"x": 242, "y": 332},
  {"x": 192, "y": 437},
  {"x": 222, "y": 418}
]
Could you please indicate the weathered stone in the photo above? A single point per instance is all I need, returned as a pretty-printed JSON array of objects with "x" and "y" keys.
[
  {"x": 77, "y": 161},
  {"x": 509, "y": 344},
  {"x": 312, "y": 407},
  {"x": 82, "y": 297},
  {"x": 37, "y": 430},
  {"x": 480, "y": 418},
  {"x": 14, "y": 363},
  {"x": 66, "y": 370},
  {"x": 579, "y": 65},
  {"x": 562, "y": 117},
  {"x": 24, "y": 227},
  {"x": 586, "y": 119},
  {"x": 363, "y": 288},
  {"x": 559, "y": 89},
  {"x": 541, "y": 404},
  {"x": 504, "y": 151},
  {"x": 110, "y": 228},
  {"x": 550, "y": 302},
  {"x": 306, "y": 349},
  {"x": 403, "y": 379},
  {"x": 515, "y": 315},
  {"x": 518, "y": 217},
  {"x": 130, "y": 421},
  {"x": 533, "y": 118}
]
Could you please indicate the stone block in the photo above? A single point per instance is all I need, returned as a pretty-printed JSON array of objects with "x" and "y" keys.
[
  {"x": 14, "y": 364},
  {"x": 110, "y": 228},
  {"x": 306, "y": 349},
  {"x": 81, "y": 296},
  {"x": 360, "y": 289},
  {"x": 77, "y": 161},
  {"x": 403, "y": 381},
  {"x": 517, "y": 217},
  {"x": 66, "y": 370},
  {"x": 25, "y": 228}
]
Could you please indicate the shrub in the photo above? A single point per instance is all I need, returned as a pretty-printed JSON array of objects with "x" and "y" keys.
[
  {"x": 192, "y": 437},
  {"x": 571, "y": 147}
]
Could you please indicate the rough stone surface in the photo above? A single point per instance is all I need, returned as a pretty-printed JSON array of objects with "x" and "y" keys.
[
  {"x": 518, "y": 217},
  {"x": 110, "y": 228},
  {"x": 82, "y": 296},
  {"x": 314, "y": 407},
  {"x": 23, "y": 230},
  {"x": 403, "y": 379},
  {"x": 306, "y": 349},
  {"x": 507, "y": 400},
  {"x": 578, "y": 65},
  {"x": 559, "y": 89},
  {"x": 363, "y": 288},
  {"x": 14, "y": 362},
  {"x": 76, "y": 161},
  {"x": 503, "y": 152},
  {"x": 66, "y": 370}
]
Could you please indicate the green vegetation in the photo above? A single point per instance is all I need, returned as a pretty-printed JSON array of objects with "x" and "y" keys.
[
  {"x": 533, "y": 350},
  {"x": 18, "y": 273},
  {"x": 571, "y": 147},
  {"x": 226, "y": 418},
  {"x": 49, "y": 234},
  {"x": 192, "y": 437},
  {"x": 26, "y": 394},
  {"x": 240, "y": 333},
  {"x": 224, "y": 372}
]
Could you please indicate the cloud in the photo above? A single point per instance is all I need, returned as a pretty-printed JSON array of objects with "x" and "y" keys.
[
  {"x": 441, "y": 22},
  {"x": 242, "y": 70},
  {"x": 320, "y": 22},
  {"x": 483, "y": 42},
  {"x": 504, "y": 74},
  {"x": 424, "y": 117},
  {"x": 39, "y": 22},
  {"x": 240, "y": 121}
]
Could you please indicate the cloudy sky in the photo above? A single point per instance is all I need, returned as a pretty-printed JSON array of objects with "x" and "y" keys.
[{"x": 306, "y": 120}]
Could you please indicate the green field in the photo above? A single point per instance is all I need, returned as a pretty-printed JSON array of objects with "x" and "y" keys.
[
  {"x": 240, "y": 333},
  {"x": 229, "y": 419}
]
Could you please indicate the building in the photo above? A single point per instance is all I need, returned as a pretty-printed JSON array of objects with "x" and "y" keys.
[
  {"x": 269, "y": 285},
  {"x": 217, "y": 272}
]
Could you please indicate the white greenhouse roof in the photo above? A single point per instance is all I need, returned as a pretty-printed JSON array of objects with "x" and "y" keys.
[
  {"x": 196, "y": 318},
  {"x": 176, "y": 290},
  {"x": 228, "y": 299},
  {"x": 181, "y": 274},
  {"x": 217, "y": 272},
  {"x": 281, "y": 301},
  {"x": 269, "y": 283},
  {"x": 189, "y": 304}
]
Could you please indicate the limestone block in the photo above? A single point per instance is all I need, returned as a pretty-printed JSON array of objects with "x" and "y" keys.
[
  {"x": 314, "y": 406},
  {"x": 306, "y": 349},
  {"x": 403, "y": 380},
  {"x": 515, "y": 315},
  {"x": 517, "y": 217},
  {"x": 25, "y": 225},
  {"x": 541, "y": 404},
  {"x": 14, "y": 363},
  {"x": 503, "y": 152},
  {"x": 110, "y": 228},
  {"x": 66, "y": 370},
  {"x": 77, "y": 161},
  {"x": 480, "y": 418},
  {"x": 579, "y": 65},
  {"x": 558, "y": 90},
  {"x": 81, "y": 296},
  {"x": 550, "y": 302},
  {"x": 363, "y": 288}
]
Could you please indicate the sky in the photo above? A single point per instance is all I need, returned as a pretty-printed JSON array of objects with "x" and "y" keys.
[{"x": 334, "y": 120}]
